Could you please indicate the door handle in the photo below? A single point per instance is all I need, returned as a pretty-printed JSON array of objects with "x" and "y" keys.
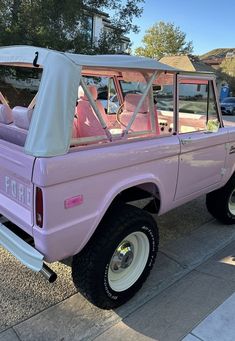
[{"x": 186, "y": 141}]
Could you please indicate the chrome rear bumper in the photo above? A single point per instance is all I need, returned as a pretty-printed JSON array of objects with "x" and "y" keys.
[{"x": 24, "y": 252}]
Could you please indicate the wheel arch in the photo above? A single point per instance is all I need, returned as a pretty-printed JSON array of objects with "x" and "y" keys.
[
  {"x": 145, "y": 184},
  {"x": 135, "y": 189}
]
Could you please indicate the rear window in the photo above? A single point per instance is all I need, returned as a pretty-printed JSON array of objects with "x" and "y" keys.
[
  {"x": 18, "y": 90},
  {"x": 19, "y": 85}
]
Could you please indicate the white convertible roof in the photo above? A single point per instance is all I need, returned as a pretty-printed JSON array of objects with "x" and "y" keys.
[
  {"x": 50, "y": 129},
  {"x": 26, "y": 54}
]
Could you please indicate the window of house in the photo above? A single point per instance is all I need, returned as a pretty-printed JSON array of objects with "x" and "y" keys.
[
  {"x": 86, "y": 28},
  {"x": 197, "y": 105}
]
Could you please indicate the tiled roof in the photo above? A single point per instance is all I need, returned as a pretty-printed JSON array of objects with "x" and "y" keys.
[{"x": 179, "y": 62}]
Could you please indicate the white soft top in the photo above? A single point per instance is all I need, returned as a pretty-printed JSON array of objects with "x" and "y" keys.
[
  {"x": 26, "y": 54},
  {"x": 51, "y": 125}
]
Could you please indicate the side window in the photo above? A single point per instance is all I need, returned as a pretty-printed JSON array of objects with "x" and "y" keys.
[
  {"x": 197, "y": 105},
  {"x": 133, "y": 105}
]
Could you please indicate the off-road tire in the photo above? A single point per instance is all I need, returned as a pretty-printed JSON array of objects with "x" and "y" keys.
[
  {"x": 219, "y": 203},
  {"x": 91, "y": 267}
]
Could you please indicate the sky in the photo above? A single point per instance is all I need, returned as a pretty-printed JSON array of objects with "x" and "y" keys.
[{"x": 209, "y": 24}]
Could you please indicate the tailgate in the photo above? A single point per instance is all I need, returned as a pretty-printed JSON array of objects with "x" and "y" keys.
[{"x": 16, "y": 188}]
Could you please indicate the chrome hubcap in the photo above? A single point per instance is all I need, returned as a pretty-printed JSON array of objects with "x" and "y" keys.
[
  {"x": 128, "y": 261},
  {"x": 122, "y": 257}
]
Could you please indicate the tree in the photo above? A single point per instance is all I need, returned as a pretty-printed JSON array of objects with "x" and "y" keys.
[
  {"x": 164, "y": 39},
  {"x": 64, "y": 25},
  {"x": 228, "y": 66}
]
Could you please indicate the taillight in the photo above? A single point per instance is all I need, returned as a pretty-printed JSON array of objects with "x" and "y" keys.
[{"x": 39, "y": 207}]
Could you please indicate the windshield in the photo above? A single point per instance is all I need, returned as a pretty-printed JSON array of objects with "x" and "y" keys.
[
  {"x": 162, "y": 91},
  {"x": 132, "y": 87},
  {"x": 229, "y": 100}
]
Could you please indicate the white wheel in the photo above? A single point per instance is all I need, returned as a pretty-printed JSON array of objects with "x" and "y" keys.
[
  {"x": 221, "y": 202},
  {"x": 115, "y": 264},
  {"x": 128, "y": 261}
]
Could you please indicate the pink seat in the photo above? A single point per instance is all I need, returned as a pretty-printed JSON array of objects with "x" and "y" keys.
[
  {"x": 88, "y": 123},
  {"x": 13, "y": 134},
  {"x": 5, "y": 114},
  {"x": 16, "y": 132},
  {"x": 22, "y": 117},
  {"x": 142, "y": 120}
]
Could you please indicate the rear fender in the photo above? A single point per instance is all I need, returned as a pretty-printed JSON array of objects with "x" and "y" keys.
[{"x": 147, "y": 182}]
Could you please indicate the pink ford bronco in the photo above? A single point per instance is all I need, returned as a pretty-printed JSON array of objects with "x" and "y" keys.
[{"x": 81, "y": 139}]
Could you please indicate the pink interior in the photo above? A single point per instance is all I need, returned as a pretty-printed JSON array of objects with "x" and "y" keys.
[
  {"x": 5, "y": 114},
  {"x": 142, "y": 120},
  {"x": 22, "y": 117},
  {"x": 87, "y": 121},
  {"x": 15, "y": 132}
]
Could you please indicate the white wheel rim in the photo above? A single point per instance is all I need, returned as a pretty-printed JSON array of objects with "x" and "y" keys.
[
  {"x": 231, "y": 203},
  {"x": 128, "y": 261}
]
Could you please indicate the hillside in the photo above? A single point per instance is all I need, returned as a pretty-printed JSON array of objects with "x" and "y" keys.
[{"x": 219, "y": 53}]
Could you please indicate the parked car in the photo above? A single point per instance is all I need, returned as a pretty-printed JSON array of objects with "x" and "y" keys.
[
  {"x": 70, "y": 173},
  {"x": 228, "y": 106}
]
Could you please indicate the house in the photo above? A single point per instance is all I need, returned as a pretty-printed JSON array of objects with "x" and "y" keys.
[
  {"x": 187, "y": 63},
  {"x": 97, "y": 22},
  {"x": 194, "y": 64},
  {"x": 215, "y": 57},
  {"x": 223, "y": 60}
]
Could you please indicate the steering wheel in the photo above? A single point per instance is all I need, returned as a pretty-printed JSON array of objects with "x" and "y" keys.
[{"x": 118, "y": 114}]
